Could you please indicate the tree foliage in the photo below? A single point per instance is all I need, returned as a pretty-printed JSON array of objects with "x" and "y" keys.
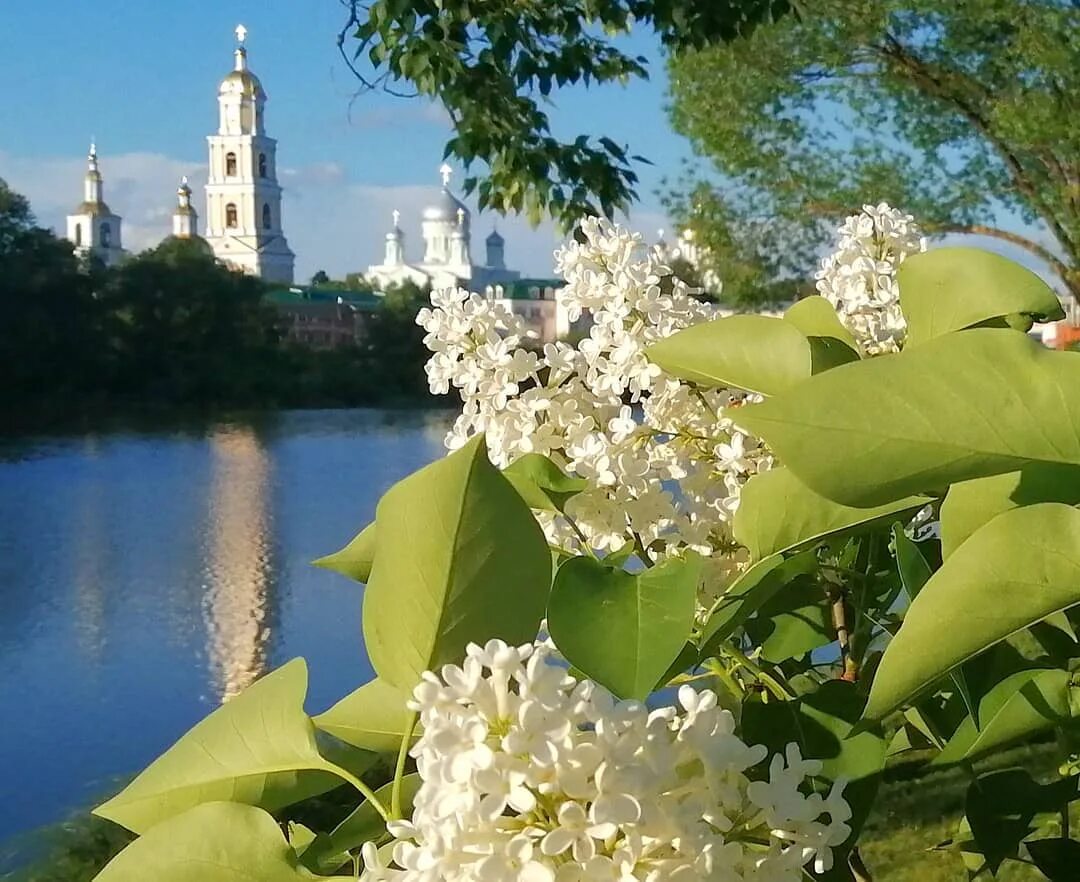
[
  {"x": 173, "y": 328},
  {"x": 53, "y": 323},
  {"x": 962, "y": 113},
  {"x": 495, "y": 65},
  {"x": 186, "y": 329}
]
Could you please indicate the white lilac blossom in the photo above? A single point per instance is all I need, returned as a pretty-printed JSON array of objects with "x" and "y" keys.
[
  {"x": 603, "y": 412},
  {"x": 529, "y": 775},
  {"x": 601, "y": 409},
  {"x": 859, "y": 278}
]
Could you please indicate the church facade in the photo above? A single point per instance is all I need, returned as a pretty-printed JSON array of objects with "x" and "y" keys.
[
  {"x": 243, "y": 197},
  {"x": 446, "y": 243}
]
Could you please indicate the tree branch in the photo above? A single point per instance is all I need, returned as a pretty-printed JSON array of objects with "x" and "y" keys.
[{"x": 932, "y": 83}]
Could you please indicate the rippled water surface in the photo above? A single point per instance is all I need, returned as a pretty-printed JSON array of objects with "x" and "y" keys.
[{"x": 146, "y": 576}]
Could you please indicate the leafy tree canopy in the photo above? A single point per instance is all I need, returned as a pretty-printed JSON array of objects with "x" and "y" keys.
[
  {"x": 493, "y": 65},
  {"x": 962, "y": 112}
]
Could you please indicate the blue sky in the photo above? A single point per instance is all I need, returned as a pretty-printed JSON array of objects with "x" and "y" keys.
[{"x": 142, "y": 78}]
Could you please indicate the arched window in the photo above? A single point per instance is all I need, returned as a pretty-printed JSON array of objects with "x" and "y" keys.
[
  {"x": 106, "y": 235},
  {"x": 262, "y": 165},
  {"x": 78, "y": 235},
  {"x": 266, "y": 216},
  {"x": 230, "y": 215},
  {"x": 230, "y": 165}
]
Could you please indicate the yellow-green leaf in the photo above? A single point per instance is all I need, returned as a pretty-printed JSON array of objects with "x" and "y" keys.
[
  {"x": 355, "y": 559},
  {"x": 257, "y": 749},
  {"x": 461, "y": 560},
  {"x": 1021, "y": 567},
  {"x": 958, "y": 407},
  {"x": 215, "y": 842},
  {"x": 949, "y": 289},
  {"x": 373, "y": 717},
  {"x": 778, "y": 513}
]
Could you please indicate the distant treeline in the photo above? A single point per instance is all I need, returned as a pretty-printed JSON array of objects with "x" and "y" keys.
[{"x": 171, "y": 329}]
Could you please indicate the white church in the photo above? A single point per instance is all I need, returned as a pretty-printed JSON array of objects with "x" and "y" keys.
[
  {"x": 243, "y": 198},
  {"x": 93, "y": 228},
  {"x": 446, "y": 237}
]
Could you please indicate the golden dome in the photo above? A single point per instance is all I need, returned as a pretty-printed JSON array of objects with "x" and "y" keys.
[
  {"x": 243, "y": 82},
  {"x": 93, "y": 209}
]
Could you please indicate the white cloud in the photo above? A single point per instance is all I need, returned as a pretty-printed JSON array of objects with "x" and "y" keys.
[
  {"x": 332, "y": 222},
  {"x": 402, "y": 111}
]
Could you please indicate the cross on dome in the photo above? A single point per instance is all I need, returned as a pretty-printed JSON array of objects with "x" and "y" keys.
[
  {"x": 397, "y": 216},
  {"x": 445, "y": 171},
  {"x": 241, "y": 33}
]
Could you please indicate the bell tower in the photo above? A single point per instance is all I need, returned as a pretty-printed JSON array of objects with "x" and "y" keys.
[
  {"x": 243, "y": 198},
  {"x": 92, "y": 227}
]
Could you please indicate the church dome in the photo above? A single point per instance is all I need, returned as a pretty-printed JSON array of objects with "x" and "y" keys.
[
  {"x": 495, "y": 239},
  {"x": 93, "y": 209},
  {"x": 242, "y": 82},
  {"x": 445, "y": 209}
]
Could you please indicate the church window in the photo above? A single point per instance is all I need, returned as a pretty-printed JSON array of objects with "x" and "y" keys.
[
  {"x": 262, "y": 165},
  {"x": 230, "y": 165},
  {"x": 106, "y": 235},
  {"x": 267, "y": 224},
  {"x": 78, "y": 234},
  {"x": 230, "y": 215}
]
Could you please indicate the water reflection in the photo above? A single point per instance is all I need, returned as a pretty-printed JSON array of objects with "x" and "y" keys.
[
  {"x": 238, "y": 568},
  {"x": 147, "y": 574},
  {"x": 90, "y": 547}
]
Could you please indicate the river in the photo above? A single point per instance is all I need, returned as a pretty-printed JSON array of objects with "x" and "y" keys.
[{"x": 145, "y": 576}]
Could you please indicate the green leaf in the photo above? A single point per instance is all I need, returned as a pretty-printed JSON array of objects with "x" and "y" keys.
[
  {"x": 1001, "y": 808},
  {"x": 258, "y": 749},
  {"x": 215, "y": 842},
  {"x": 1057, "y": 859},
  {"x": 747, "y": 593},
  {"x": 778, "y": 513},
  {"x": 373, "y": 717},
  {"x": 958, "y": 407},
  {"x": 822, "y": 723},
  {"x": 1019, "y": 706},
  {"x": 541, "y": 483},
  {"x": 970, "y": 504},
  {"x": 363, "y": 824},
  {"x": 355, "y": 559},
  {"x": 816, "y": 317},
  {"x": 949, "y": 289},
  {"x": 300, "y": 837},
  {"x": 914, "y": 573},
  {"x": 1016, "y": 570},
  {"x": 753, "y": 352},
  {"x": 461, "y": 560},
  {"x": 624, "y": 630},
  {"x": 908, "y": 737},
  {"x": 794, "y": 621},
  {"x": 914, "y": 570}
]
